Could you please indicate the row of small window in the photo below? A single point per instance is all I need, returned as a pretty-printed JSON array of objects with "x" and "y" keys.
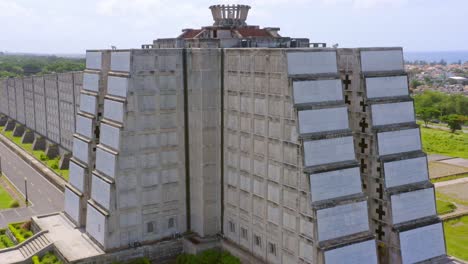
[
  {"x": 151, "y": 226},
  {"x": 257, "y": 239}
]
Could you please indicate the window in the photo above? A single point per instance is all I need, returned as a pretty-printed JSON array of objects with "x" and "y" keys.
[
  {"x": 171, "y": 223},
  {"x": 232, "y": 227},
  {"x": 244, "y": 233},
  {"x": 149, "y": 227},
  {"x": 272, "y": 248},
  {"x": 258, "y": 241}
]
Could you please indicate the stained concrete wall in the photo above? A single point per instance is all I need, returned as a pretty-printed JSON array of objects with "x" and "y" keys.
[{"x": 44, "y": 104}]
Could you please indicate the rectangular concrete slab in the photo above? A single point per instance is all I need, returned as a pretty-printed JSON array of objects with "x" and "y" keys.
[
  {"x": 88, "y": 103},
  {"x": 91, "y": 81},
  {"x": 334, "y": 184},
  {"x": 84, "y": 126},
  {"x": 387, "y": 86},
  {"x": 327, "y": 151},
  {"x": 342, "y": 220},
  {"x": 386, "y": 114},
  {"x": 407, "y": 171},
  {"x": 422, "y": 243},
  {"x": 382, "y": 60},
  {"x": 106, "y": 162},
  {"x": 318, "y": 62},
  {"x": 323, "y": 120},
  {"x": 359, "y": 253},
  {"x": 81, "y": 150},
  {"x": 77, "y": 176},
  {"x": 117, "y": 86},
  {"x": 93, "y": 60},
  {"x": 317, "y": 91},
  {"x": 110, "y": 136},
  {"x": 96, "y": 224},
  {"x": 113, "y": 110},
  {"x": 120, "y": 61},
  {"x": 101, "y": 192},
  {"x": 72, "y": 205},
  {"x": 413, "y": 205},
  {"x": 399, "y": 141}
]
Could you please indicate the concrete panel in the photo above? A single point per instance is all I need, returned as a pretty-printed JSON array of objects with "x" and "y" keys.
[
  {"x": 20, "y": 110},
  {"x": 317, "y": 91},
  {"x": 72, "y": 205},
  {"x": 52, "y": 107},
  {"x": 84, "y": 126},
  {"x": 382, "y": 60},
  {"x": 322, "y": 62},
  {"x": 81, "y": 150},
  {"x": 322, "y": 120},
  {"x": 342, "y": 220},
  {"x": 387, "y": 86},
  {"x": 412, "y": 205},
  {"x": 105, "y": 162},
  {"x": 399, "y": 141},
  {"x": 93, "y": 60},
  {"x": 117, "y": 86},
  {"x": 359, "y": 253},
  {"x": 422, "y": 243},
  {"x": 96, "y": 224},
  {"x": 77, "y": 176},
  {"x": 334, "y": 184},
  {"x": 88, "y": 103},
  {"x": 405, "y": 171},
  {"x": 386, "y": 114},
  {"x": 29, "y": 102},
  {"x": 113, "y": 110},
  {"x": 120, "y": 61},
  {"x": 110, "y": 136},
  {"x": 327, "y": 151},
  {"x": 101, "y": 192},
  {"x": 39, "y": 106},
  {"x": 91, "y": 81}
]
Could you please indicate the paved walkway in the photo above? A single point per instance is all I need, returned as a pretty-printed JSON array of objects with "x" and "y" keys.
[
  {"x": 72, "y": 242},
  {"x": 43, "y": 195},
  {"x": 456, "y": 161},
  {"x": 452, "y": 182}
]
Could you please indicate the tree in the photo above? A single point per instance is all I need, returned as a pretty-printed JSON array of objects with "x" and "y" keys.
[
  {"x": 415, "y": 83},
  {"x": 454, "y": 122},
  {"x": 426, "y": 114}
]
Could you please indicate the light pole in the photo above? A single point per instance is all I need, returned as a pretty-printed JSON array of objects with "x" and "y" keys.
[{"x": 26, "y": 190}]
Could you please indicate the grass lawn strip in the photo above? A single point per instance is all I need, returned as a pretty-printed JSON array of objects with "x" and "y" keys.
[
  {"x": 436, "y": 141},
  {"x": 444, "y": 207},
  {"x": 40, "y": 155},
  {"x": 456, "y": 236},
  {"x": 6, "y": 200},
  {"x": 449, "y": 178}
]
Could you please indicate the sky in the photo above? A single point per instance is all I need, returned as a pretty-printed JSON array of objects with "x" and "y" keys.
[{"x": 72, "y": 26}]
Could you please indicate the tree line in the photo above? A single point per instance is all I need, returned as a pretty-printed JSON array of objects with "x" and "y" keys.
[
  {"x": 433, "y": 106},
  {"x": 27, "y": 65}
]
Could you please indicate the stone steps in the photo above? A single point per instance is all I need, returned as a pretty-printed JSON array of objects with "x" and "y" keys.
[{"x": 34, "y": 245}]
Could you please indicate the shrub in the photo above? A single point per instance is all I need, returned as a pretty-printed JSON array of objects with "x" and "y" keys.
[
  {"x": 43, "y": 157},
  {"x": 14, "y": 204},
  {"x": 140, "y": 261},
  {"x": 35, "y": 260},
  {"x": 210, "y": 256},
  {"x": 18, "y": 232}
]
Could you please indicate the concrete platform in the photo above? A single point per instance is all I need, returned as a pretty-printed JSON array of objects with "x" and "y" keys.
[
  {"x": 72, "y": 242},
  {"x": 437, "y": 157}
]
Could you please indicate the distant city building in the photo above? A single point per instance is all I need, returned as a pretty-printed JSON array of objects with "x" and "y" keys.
[{"x": 272, "y": 150}]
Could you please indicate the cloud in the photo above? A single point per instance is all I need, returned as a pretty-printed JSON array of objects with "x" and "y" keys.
[
  {"x": 366, "y": 3},
  {"x": 12, "y": 9}
]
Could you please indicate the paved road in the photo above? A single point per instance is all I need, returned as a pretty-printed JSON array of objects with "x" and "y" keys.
[
  {"x": 45, "y": 197},
  {"x": 452, "y": 182}
]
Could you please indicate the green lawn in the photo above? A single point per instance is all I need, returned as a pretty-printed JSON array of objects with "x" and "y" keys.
[
  {"x": 456, "y": 235},
  {"x": 5, "y": 199},
  {"x": 436, "y": 141},
  {"x": 53, "y": 164},
  {"x": 444, "y": 207}
]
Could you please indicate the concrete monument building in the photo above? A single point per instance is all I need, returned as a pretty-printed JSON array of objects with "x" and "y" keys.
[{"x": 232, "y": 136}]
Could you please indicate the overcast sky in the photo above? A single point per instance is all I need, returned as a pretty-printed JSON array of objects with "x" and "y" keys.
[{"x": 72, "y": 26}]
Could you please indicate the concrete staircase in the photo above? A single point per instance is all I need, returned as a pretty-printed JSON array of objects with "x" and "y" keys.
[{"x": 34, "y": 245}]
